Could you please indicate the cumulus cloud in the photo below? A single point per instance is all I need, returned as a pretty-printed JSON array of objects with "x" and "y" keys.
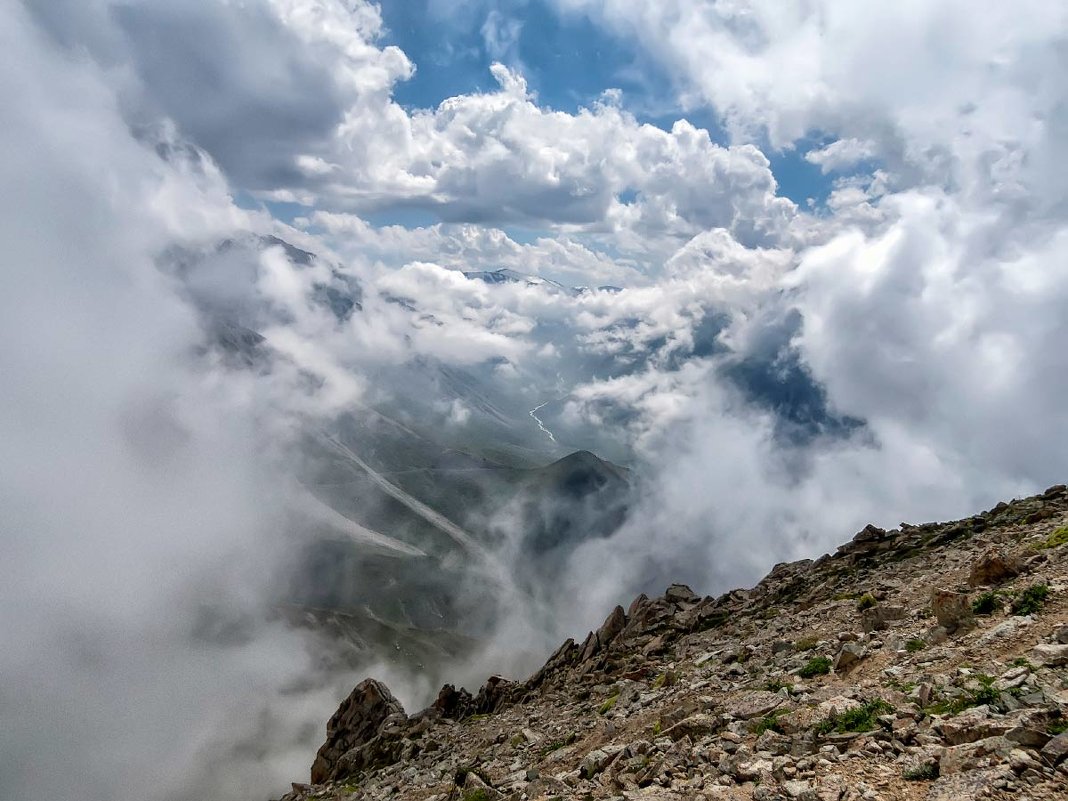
[{"x": 776, "y": 378}]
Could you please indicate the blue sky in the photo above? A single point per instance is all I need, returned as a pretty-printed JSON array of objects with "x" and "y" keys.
[{"x": 567, "y": 61}]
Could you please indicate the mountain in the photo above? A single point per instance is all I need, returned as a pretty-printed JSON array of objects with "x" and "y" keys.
[
  {"x": 509, "y": 276},
  {"x": 924, "y": 662}
]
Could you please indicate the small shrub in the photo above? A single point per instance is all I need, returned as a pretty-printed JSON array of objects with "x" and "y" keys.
[
  {"x": 1057, "y": 726},
  {"x": 478, "y": 794},
  {"x": 1031, "y": 600},
  {"x": 774, "y": 685},
  {"x": 1058, "y": 537},
  {"x": 657, "y": 728},
  {"x": 806, "y": 643},
  {"x": 926, "y": 772},
  {"x": 912, "y": 646},
  {"x": 986, "y": 603},
  {"x": 817, "y": 666},
  {"x": 769, "y": 723},
  {"x": 866, "y": 601},
  {"x": 863, "y": 718}
]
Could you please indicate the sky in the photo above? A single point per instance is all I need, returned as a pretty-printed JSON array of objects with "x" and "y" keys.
[{"x": 840, "y": 231}]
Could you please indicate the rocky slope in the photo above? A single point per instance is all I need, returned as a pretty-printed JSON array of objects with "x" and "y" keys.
[{"x": 924, "y": 662}]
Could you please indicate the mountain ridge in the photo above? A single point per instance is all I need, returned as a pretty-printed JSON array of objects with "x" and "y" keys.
[{"x": 923, "y": 662}]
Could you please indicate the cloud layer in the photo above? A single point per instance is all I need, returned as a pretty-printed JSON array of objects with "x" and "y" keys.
[{"x": 776, "y": 377}]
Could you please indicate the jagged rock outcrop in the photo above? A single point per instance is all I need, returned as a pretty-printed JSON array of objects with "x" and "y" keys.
[
  {"x": 358, "y": 735},
  {"x": 870, "y": 674}
]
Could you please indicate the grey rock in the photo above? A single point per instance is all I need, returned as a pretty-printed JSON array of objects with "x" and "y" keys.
[{"x": 1050, "y": 654}]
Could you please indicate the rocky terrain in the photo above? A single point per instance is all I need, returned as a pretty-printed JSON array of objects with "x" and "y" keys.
[{"x": 927, "y": 662}]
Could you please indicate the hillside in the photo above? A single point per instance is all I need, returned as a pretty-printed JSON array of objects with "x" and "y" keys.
[{"x": 927, "y": 662}]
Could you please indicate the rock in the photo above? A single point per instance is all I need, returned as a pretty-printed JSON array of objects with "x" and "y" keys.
[
  {"x": 599, "y": 759},
  {"x": 953, "y": 610},
  {"x": 973, "y": 725},
  {"x": 961, "y": 786},
  {"x": 1006, "y": 629},
  {"x": 355, "y": 725},
  {"x": 1056, "y": 750},
  {"x": 695, "y": 726},
  {"x": 1061, "y": 635},
  {"x": 753, "y": 704},
  {"x": 879, "y": 617},
  {"x": 970, "y": 756},
  {"x": 681, "y": 593},
  {"x": 800, "y": 790},
  {"x": 1050, "y": 654},
  {"x": 597, "y": 641},
  {"x": 992, "y": 568},
  {"x": 848, "y": 657}
]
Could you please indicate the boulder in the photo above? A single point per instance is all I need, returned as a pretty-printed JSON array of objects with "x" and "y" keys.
[
  {"x": 848, "y": 657},
  {"x": 969, "y": 756},
  {"x": 1050, "y": 654},
  {"x": 953, "y": 610},
  {"x": 1056, "y": 750},
  {"x": 879, "y": 617},
  {"x": 754, "y": 704},
  {"x": 356, "y": 726},
  {"x": 992, "y": 568}
]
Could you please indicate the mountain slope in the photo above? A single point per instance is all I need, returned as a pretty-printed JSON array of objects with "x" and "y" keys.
[{"x": 925, "y": 662}]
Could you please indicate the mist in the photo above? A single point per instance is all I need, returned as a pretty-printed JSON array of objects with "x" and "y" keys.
[{"x": 208, "y": 298}]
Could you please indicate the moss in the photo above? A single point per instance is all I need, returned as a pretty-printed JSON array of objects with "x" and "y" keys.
[
  {"x": 866, "y": 601},
  {"x": 1056, "y": 538},
  {"x": 1057, "y": 726},
  {"x": 607, "y": 706},
  {"x": 478, "y": 794},
  {"x": 912, "y": 646},
  {"x": 517, "y": 740},
  {"x": 817, "y": 666},
  {"x": 1031, "y": 600},
  {"x": 986, "y": 603},
  {"x": 806, "y": 643},
  {"x": 774, "y": 685}
]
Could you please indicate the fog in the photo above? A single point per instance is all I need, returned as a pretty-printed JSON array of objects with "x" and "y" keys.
[{"x": 773, "y": 376}]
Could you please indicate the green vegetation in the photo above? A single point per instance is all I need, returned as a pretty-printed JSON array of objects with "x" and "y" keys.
[
  {"x": 926, "y": 772},
  {"x": 774, "y": 685},
  {"x": 517, "y": 740},
  {"x": 769, "y": 723},
  {"x": 1057, "y": 726},
  {"x": 1023, "y": 661},
  {"x": 912, "y": 646},
  {"x": 986, "y": 694},
  {"x": 806, "y": 643},
  {"x": 1031, "y": 600},
  {"x": 350, "y": 788},
  {"x": 606, "y": 707},
  {"x": 817, "y": 666},
  {"x": 863, "y": 718},
  {"x": 478, "y": 794},
  {"x": 866, "y": 601},
  {"x": 1058, "y": 537},
  {"x": 986, "y": 603},
  {"x": 657, "y": 728}
]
